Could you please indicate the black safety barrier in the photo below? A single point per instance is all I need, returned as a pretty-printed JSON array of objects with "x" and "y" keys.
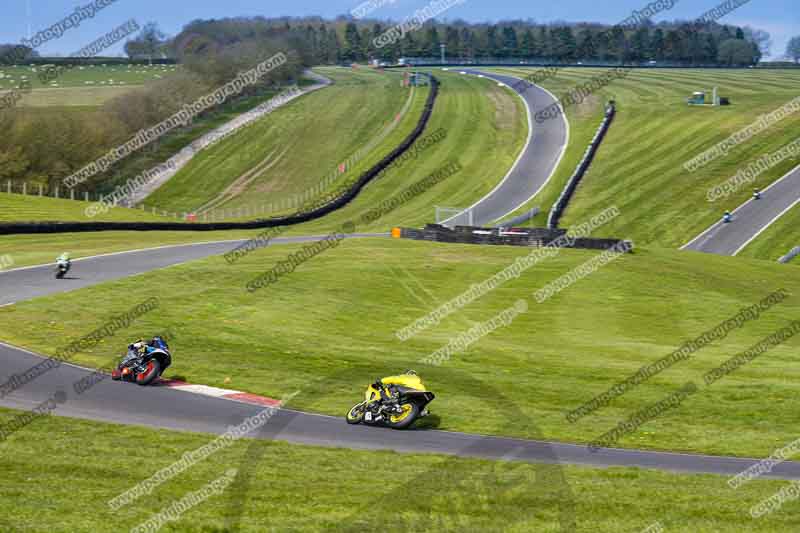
[
  {"x": 13, "y": 228},
  {"x": 566, "y": 195},
  {"x": 530, "y": 237}
]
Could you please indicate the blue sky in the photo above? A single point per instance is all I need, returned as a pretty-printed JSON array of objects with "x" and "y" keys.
[{"x": 779, "y": 17}]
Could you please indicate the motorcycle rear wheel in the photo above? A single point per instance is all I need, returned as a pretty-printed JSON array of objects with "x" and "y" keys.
[
  {"x": 404, "y": 419},
  {"x": 356, "y": 414},
  {"x": 148, "y": 376}
]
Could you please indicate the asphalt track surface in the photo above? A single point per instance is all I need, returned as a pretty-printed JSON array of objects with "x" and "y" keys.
[
  {"x": 751, "y": 218},
  {"x": 167, "y": 408},
  {"x": 31, "y": 282},
  {"x": 535, "y": 165}
]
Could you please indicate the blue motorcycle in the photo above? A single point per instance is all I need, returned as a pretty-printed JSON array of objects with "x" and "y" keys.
[{"x": 144, "y": 362}]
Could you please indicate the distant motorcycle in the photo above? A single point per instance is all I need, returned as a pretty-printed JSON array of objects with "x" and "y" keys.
[
  {"x": 395, "y": 401},
  {"x": 144, "y": 363},
  {"x": 63, "y": 264}
]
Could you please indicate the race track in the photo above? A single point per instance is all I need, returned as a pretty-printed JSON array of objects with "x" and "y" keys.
[
  {"x": 31, "y": 282},
  {"x": 534, "y": 167},
  {"x": 750, "y": 219},
  {"x": 167, "y": 408}
]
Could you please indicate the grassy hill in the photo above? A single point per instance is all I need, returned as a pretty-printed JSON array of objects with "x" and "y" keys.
[
  {"x": 777, "y": 240},
  {"x": 295, "y": 147},
  {"x": 335, "y": 318},
  {"x": 83, "y": 86},
  {"x": 24, "y": 208},
  {"x": 640, "y": 166},
  {"x": 52, "y": 472}
]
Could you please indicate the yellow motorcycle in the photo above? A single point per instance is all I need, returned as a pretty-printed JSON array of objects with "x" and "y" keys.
[{"x": 394, "y": 401}]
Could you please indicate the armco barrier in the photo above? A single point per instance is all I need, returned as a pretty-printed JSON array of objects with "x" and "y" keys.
[
  {"x": 583, "y": 166},
  {"x": 313, "y": 214},
  {"x": 531, "y": 237},
  {"x": 791, "y": 255}
]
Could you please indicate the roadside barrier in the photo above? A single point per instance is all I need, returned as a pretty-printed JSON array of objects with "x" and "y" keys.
[
  {"x": 791, "y": 255},
  {"x": 530, "y": 237},
  {"x": 14, "y": 228},
  {"x": 566, "y": 195}
]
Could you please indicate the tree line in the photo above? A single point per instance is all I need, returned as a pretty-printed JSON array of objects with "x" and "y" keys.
[{"x": 686, "y": 43}]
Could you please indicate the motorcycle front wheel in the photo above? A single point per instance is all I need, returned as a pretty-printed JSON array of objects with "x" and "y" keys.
[
  {"x": 356, "y": 414},
  {"x": 406, "y": 418}
]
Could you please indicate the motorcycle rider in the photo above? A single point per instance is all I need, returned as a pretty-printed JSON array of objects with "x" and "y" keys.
[{"x": 63, "y": 259}]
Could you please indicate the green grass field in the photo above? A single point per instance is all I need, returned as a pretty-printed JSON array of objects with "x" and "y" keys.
[
  {"x": 336, "y": 316},
  {"x": 90, "y": 85},
  {"x": 485, "y": 129},
  {"x": 777, "y": 240},
  {"x": 294, "y": 148},
  {"x": 640, "y": 165},
  {"x": 59, "y": 474},
  {"x": 19, "y": 207}
]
